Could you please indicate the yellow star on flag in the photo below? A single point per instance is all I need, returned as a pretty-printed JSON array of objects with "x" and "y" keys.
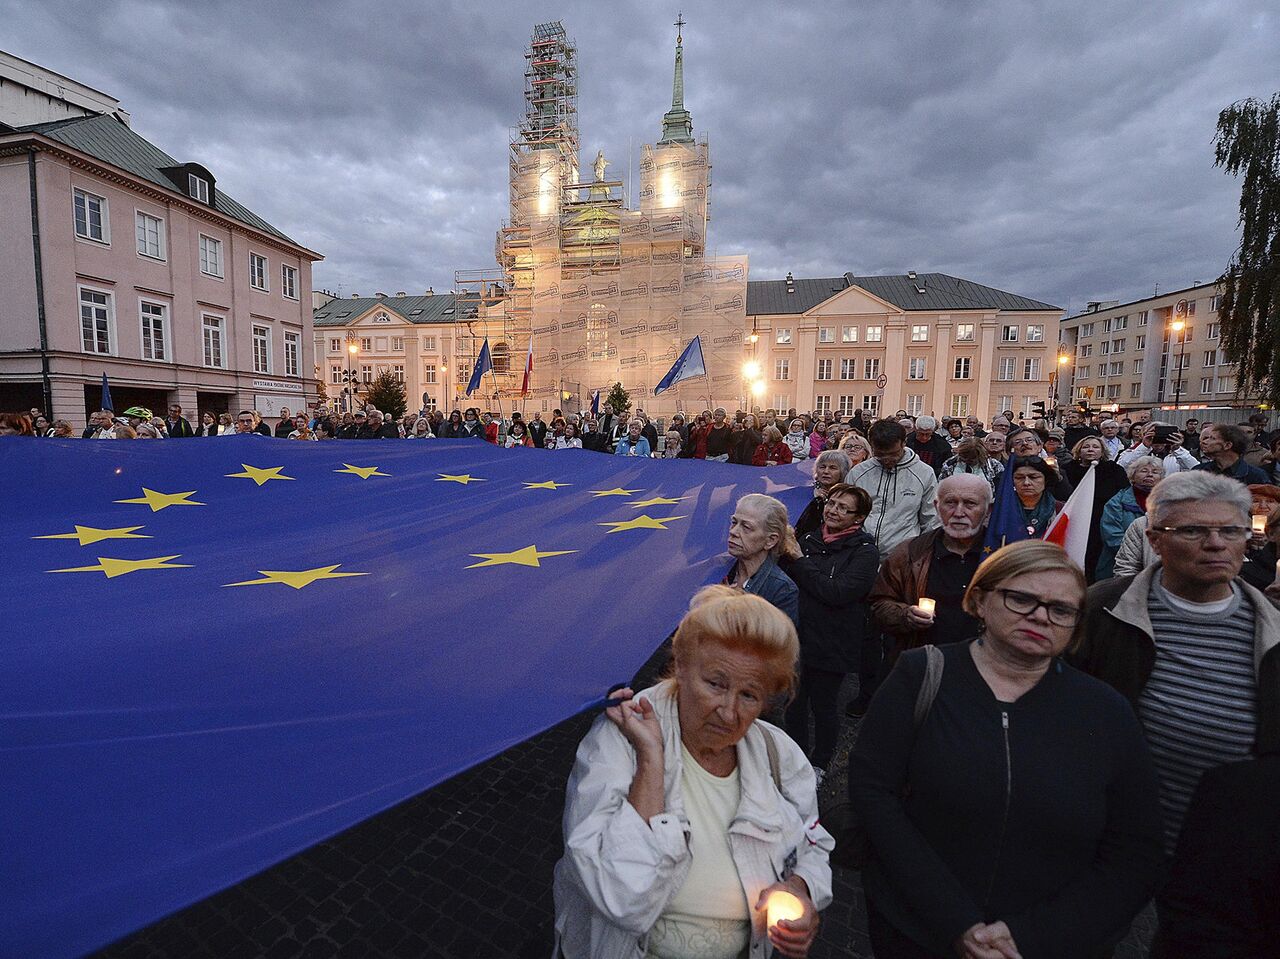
[
  {"x": 657, "y": 501},
  {"x": 88, "y": 535},
  {"x": 642, "y": 522},
  {"x": 364, "y": 472},
  {"x": 549, "y": 484},
  {"x": 296, "y": 578},
  {"x": 159, "y": 501},
  {"x": 616, "y": 491},
  {"x": 260, "y": 474},
  {"x": 463, "y": 478},
  {"x": 118, "y": 567},
  {"x": 528, "y": 556}
]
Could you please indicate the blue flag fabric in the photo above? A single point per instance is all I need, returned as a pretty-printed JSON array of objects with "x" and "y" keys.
[
  {"x": 689, "y": 364},
  {"x": 595, "y": 403},
  {"x": 223, "y": 652},
  {"x": 484, "y": 363},
  {"x": 1006, "y": 524},
  {"x": 106, "y": 395}
]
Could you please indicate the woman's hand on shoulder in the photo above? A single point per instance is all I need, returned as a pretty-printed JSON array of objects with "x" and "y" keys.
[
  {"x": 987, "y": 941},
  {"x": 638, "y": 723},
  {"x": 792, "y": 937}
]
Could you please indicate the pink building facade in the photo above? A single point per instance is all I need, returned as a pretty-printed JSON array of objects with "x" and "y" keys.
[{"x": 115, "y": 258}]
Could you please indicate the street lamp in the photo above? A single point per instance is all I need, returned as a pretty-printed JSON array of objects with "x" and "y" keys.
[
  {"x": 353, "y": 347},
  {"x": 751, "y": 369},
  {"x": 1179, "y": 326}
]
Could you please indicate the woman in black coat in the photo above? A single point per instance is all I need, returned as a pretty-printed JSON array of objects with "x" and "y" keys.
[
  {"x": 1020, "y": 814},
  {"x": 834, "y": 575},
  {"x": 1110, "y": 479},
  {"x": 744, "y": 441}
]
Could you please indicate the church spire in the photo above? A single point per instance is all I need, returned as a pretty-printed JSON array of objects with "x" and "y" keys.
[{"x": 677, "y": 124}]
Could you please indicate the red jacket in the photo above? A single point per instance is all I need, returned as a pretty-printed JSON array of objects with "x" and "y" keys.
[
  {"x": 491, "y": 433},
  {"x": 779, "y": 452}
]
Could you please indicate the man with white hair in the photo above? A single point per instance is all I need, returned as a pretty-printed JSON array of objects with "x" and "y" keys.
[
  {"x": 1193, "y": 647},
  {"x": 1112, "y": 441},
  {"x": 1001, "y": 424},
  {"x": 933, "y": 450},
  {"x": 938, "y": 564}
]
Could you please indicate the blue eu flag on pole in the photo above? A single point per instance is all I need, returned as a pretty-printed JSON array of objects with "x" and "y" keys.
[
  {"x": 690, "y": 364},
  {"x": 106, "y": 394},
  {"x": 483, "y": 365}
]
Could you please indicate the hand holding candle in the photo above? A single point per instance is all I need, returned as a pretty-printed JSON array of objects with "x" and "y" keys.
[
  {"x": 782, "y": 905},
  {"x": 927, "y": 605},
  {"x": 1259, "y": 524}
]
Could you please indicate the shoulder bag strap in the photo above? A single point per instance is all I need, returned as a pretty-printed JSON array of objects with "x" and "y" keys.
[
  {"x": 775, "y": 764},
  {"x": 929, "y": 685}
]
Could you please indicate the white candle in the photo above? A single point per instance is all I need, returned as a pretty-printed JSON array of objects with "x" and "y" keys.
[
  {"x": 1259, "y": 524},
  {"x": 926, "y": 605},
  {"x": 782, "y": 905}
]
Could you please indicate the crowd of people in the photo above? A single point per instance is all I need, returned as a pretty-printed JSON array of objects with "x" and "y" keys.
[{"x": 1043, "y": 749}]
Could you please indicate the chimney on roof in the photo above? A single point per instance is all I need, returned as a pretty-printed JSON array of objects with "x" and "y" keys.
[
  {"x": 401, "y": 293},
  {"x": 431, "y": 291},
  {"x": 381, "y": 296},
  {"x": 791, "y": 282},
  {"x": 355, "y": 296},
  {"x": 916, "y": 281}
]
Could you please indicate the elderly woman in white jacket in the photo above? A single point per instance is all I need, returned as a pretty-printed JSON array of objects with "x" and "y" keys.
[{"x": 685, "y": 812}]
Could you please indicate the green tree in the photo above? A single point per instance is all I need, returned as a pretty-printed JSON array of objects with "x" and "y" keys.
[
  {"x": 1247, "y": 145},
  {"x": 386, "y": 393},
  {"x": 618, "y": 398}
]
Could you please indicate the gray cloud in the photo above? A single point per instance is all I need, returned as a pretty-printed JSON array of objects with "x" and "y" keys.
[{"x": 1059, "y": 151}]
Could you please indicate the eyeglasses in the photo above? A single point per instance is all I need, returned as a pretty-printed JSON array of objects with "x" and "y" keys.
[
  {"x": 1025, "y": 604},
  {"x": 1198, "y": 534},
  {"x": 840, "y": 509}
]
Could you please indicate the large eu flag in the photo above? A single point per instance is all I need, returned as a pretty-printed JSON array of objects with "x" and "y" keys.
[{"x": 221, "y": 652}]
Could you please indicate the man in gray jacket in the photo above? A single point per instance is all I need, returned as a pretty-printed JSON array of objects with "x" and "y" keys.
[{"x": 901, "y": 486}]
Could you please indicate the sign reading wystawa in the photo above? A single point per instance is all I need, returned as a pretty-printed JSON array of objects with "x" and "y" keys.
[{"x": 278, "y": 386}]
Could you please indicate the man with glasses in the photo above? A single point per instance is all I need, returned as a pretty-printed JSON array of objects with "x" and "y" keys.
[
  {"x": 178, "y": 426},
  {"x": 1195, "y": 649}
]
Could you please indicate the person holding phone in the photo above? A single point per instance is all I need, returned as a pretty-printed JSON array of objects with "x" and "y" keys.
[{"x": 1163, "y": 441}]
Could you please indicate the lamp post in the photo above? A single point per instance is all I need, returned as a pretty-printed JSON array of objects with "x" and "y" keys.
[
  {"x": 353, "y": 347},
  {"x": 1179, "y": 326},
  {"x": 1063, "y": 361}
]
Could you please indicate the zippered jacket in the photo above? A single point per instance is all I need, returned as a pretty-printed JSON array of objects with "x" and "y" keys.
[
  {"x": 901, "y": 499},
  {"x": 1042, "y": 813},
  {"x": 619, "y": 872}
]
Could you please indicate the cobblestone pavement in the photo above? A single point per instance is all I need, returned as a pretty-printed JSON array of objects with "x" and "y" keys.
[{"x": 461, "y": 871}]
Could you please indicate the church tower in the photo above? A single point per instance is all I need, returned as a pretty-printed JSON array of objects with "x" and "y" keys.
[{"x": 677, "y": 124}]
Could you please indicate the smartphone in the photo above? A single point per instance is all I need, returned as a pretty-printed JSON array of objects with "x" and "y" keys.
[{"x": 1163, "y": 433}]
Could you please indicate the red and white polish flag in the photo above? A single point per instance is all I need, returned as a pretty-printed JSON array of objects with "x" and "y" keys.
[
  {"x": 528, "y": 369},
  {"x": 1070, "y": 528}
]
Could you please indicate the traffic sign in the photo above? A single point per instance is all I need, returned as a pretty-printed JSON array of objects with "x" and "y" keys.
[{"x": 882, "y": 381}]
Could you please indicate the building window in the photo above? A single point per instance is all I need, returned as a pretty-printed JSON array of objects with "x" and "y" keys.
[
  {"x": 1086, "y": 329},
  {"x": 197, "y": 188},
  {"x": 849, "y": 334},
  {"x": 211, "y": 327},
  {"x": 871, "y": 367},
  {"x": 871, "y": 403},
  {"x": 783, "y": 337},
  {"x": 1004, "y": 403},
  {"x": 826, "y": 334},
  {"x": 1210, "y": 357},
  {"x": 1117, "y": 369},
  {"x": 846, "y": 406},
  {"x": 366, "y": 374},
  {"x": 1085, "y": 350},
  {"x": 1206, "y": 384},
  {"x": 210, "y": 256},
  {"x": 848, "y": 369},
  {"x": 429, "y": 373},
  {"x": 1135, "y": 390},
  {"x": 781, "y": 401},
  {"x": 1191, "y": 307},
  {"x": 920, "y": 333},
  {"x": 335, "y": 374},
  {"x": 335, "y": 345},
  {"x": 1031, "y": 368},
  {"x": 960, "y": 405},
  {"x": 1113, "y": 391},
  {"x": 288, "y": 282},
  {"x": 1121, "y": 323},
  {"x": 1007, "y": 366},
  {"x": 915, "y": 404},
  {"x": 824, "y": 369},
  {"x": 1214, "y": 302},
  {"x": 1106, "y": 325},
  {"x": 1083, "y": 372},
  {"x": 782, "y": 369},
  {"x": 258, "y": 272},
  {"x": 397, "y": 372},
  {"x": 916, "y": 368},
  {"x": 292, "y": 354},
  {"x": 428, "y": 344},
  {"x": 464, "y": 373},
  {"x": 875, "y": 334},
  {"x": 962, "y": 367},
  {"x": 1140, "y": 341},
  {"x": 92, "y": 221},
  {"x": 822, "y": 405},
  {"x": 1213, "y": 331},
  {"x": 964, "y": 332},
  {"x": 261, "y": 349},
  {"x": 366, "y": 344},
  {"x": 1117, "y": 346},
  {"x": 1137, "y": 367},
  {"x": 1009, "y": 334},
  {"x": 1104, "y": 348},
  {"x": 1035, "y": 334},
  {"x": 397, "y": 344},
  {"x": 150, "y": 235},
  {"x": 96, "y": 321},
  {"x": 1142, "y": 318},
  {"x": 1226, "y": 384},
  {"x": 153, "y": 331}
]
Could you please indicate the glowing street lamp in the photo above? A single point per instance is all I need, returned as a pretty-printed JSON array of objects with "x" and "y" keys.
[
  {"x": 1178, "y": 326},
  {"x": 757, "y": 388},
  {"x": 751, "y": 369}
]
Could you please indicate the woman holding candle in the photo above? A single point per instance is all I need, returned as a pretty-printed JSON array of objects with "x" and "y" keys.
[
  {"x": 685, "y": 814},
  {"x": 829, "y": 469},
  {"x": 1020, "y": 817},
  {"x": 834, "y": 576},
  {"x": 1260, "y": 568}
]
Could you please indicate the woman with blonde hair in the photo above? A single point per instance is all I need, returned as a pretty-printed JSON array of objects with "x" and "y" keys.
[
  {"x": 1008, "y": 799},
  {"x": 772, "y": 451},
  {"x": 856, "y": 447},
  {"x": 657, "y": 861},
  {"x": 760, "y": 536}
]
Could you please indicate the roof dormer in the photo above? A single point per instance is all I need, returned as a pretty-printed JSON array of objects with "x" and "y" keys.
[{"x": 194, "y": 180}]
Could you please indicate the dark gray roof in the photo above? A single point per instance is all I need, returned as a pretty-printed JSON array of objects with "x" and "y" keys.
[
  {"x": 415, "y": 309},
  {"x": 107, "y": 139},
  {"x": 941, "y": 292}
]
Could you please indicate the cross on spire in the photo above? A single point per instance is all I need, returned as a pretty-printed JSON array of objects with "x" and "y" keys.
[{"x": 679, "y": 27}]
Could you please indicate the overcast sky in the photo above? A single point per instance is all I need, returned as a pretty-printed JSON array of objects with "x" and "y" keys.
[{"x": 1057, "y": 150}]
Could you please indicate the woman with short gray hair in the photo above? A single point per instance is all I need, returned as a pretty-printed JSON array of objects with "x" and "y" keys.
[
  {"x": 829, "y": 469},
  {"x": 1123, "y": 509}
]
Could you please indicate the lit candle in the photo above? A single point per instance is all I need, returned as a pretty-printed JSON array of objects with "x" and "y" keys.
[
  {"x": 926, "y": 605},
  {"x": 782, "y": 905},
  {"x": 1259, "y": 524},
  {"x": 1052, "y": 461}
]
